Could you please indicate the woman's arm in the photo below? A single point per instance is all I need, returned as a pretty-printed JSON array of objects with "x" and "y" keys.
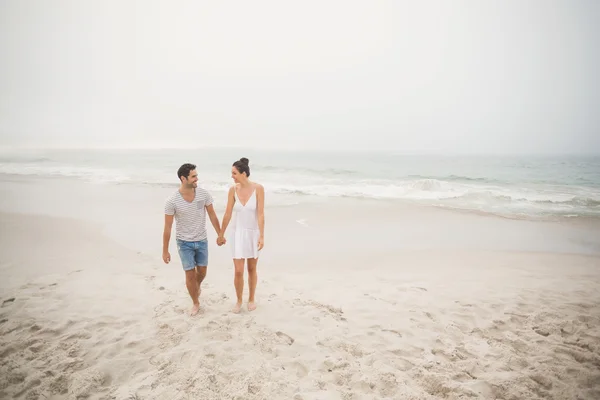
[
  {"x": 228, "y": 211},
  {"x": 260, "y": 211}
]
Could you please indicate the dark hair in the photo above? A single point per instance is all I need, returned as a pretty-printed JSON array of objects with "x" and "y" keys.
[
  {"x": 242, "y": 166},
  {"x": 184, "y": 170}
]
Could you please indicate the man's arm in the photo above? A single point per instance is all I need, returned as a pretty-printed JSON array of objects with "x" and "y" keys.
[
  {"x": 213, "y": 218},
  {"x": 167, "y": 237}
]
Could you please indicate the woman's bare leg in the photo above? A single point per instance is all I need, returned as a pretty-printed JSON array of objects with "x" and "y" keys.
[
  {"x": 238, "y": 281},
  {"x": 252, "y": 281}
]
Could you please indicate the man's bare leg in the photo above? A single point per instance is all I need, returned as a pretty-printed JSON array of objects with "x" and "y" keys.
[
  {"x": 200, "y": 275},
  {"x": 192, "y": 287},
  {"x": 252, "y": 281},
  {"x": 238, "y": 281}
]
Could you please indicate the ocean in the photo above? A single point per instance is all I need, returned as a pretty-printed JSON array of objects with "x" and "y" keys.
[{"x": 511, "y": 186}]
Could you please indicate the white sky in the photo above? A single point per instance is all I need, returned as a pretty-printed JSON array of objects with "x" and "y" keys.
[{"x": 434, "y": 76}]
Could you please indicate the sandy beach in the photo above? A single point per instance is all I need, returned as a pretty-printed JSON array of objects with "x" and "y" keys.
[
  {"x": 430, "y": 176},
  {"x": 346, "y": 309}
]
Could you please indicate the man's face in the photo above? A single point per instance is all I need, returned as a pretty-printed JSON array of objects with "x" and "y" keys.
[{"x": 192, "y": 180}]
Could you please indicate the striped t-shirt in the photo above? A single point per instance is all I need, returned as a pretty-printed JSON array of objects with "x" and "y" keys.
[{"x": 190, "y": 217}]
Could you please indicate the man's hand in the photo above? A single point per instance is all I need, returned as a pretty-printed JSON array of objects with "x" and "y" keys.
[
  {"x": 221, "y": 241},
  {"x": 261, "y": 243},
  {"x": 167, "y": 237}
]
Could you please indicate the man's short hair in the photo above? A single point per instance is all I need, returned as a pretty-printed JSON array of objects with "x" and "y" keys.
[{"x": 185, "y": 170}]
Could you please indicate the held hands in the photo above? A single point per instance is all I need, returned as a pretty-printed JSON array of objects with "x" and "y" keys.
[
  {"x": 221, "y": 241},
  {"x": 166, "y": 257}
]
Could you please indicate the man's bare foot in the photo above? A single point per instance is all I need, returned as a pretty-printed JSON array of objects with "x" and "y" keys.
[
  {"x": 237, "y": 308},
  {"x": 251, "y": 306},
  {"x": 195, "y": 309}
]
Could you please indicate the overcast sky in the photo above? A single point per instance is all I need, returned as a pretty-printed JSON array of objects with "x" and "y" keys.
[{"x": 433, "y": 76}]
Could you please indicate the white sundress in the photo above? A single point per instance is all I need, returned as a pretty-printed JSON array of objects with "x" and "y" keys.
[{"x": 245, "y": 233}]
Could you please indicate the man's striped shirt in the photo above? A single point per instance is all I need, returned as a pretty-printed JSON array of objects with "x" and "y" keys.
[{"x": 190, "y": 217}]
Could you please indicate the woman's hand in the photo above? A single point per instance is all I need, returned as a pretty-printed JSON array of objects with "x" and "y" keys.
[{"x": 261, "y": 243}]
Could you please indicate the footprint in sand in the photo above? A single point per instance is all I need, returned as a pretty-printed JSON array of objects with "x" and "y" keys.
[
  {"x": 285, "y": 337},
  {"x": 395, "y": 332},
  {"x": 515, "y": 318},
  {"x": 298, "y": 368},
  {"x": 381, "y": 329},
  {"x": 8, "y": 301},
  {"x": 455, "y": 354},
  {"x": 402, "y": 364},
  {"x": 541, "y": 331},
  {"x": 431, "y": 317},
  {"x": 460, "y": 303},
  {"x": 409, "y": 351},
  {"x": 443, "y": 355},
  {"x": 326, "y": 308},
  {"x": 330, "y": 366}
]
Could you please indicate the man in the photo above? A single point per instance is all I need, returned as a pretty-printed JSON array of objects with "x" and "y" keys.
[{"x": 189, "y": 206}]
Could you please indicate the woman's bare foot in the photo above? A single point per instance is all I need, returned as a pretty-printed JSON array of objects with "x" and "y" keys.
[
  {"x": 251, "y": 306},
  {"x": 237, "y": 308},
  {"x": 195, "y": 309}
]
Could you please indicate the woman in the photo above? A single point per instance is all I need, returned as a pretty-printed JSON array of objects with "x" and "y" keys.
[{"x": 246, "y": 199}]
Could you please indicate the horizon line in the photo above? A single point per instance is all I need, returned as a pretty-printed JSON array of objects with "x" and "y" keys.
[{"x": 423, "y": 152}]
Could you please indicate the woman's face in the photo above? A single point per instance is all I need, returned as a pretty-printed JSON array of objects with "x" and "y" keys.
[{"x": 235, "y": 175}]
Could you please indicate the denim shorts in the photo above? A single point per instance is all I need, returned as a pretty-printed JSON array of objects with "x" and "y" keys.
[{"x": 193, "y": 254}]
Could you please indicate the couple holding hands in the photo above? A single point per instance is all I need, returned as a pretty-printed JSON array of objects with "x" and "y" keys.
[{"x": 190, "y": 205}]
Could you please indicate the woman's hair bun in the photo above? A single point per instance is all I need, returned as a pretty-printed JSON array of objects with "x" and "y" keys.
[{"x": 244, "y": 160}]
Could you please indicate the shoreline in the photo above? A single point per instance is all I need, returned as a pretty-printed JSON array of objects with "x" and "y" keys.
[
  {"x": 291, "y": 200},
  {"x": 134, "y": 215}
]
